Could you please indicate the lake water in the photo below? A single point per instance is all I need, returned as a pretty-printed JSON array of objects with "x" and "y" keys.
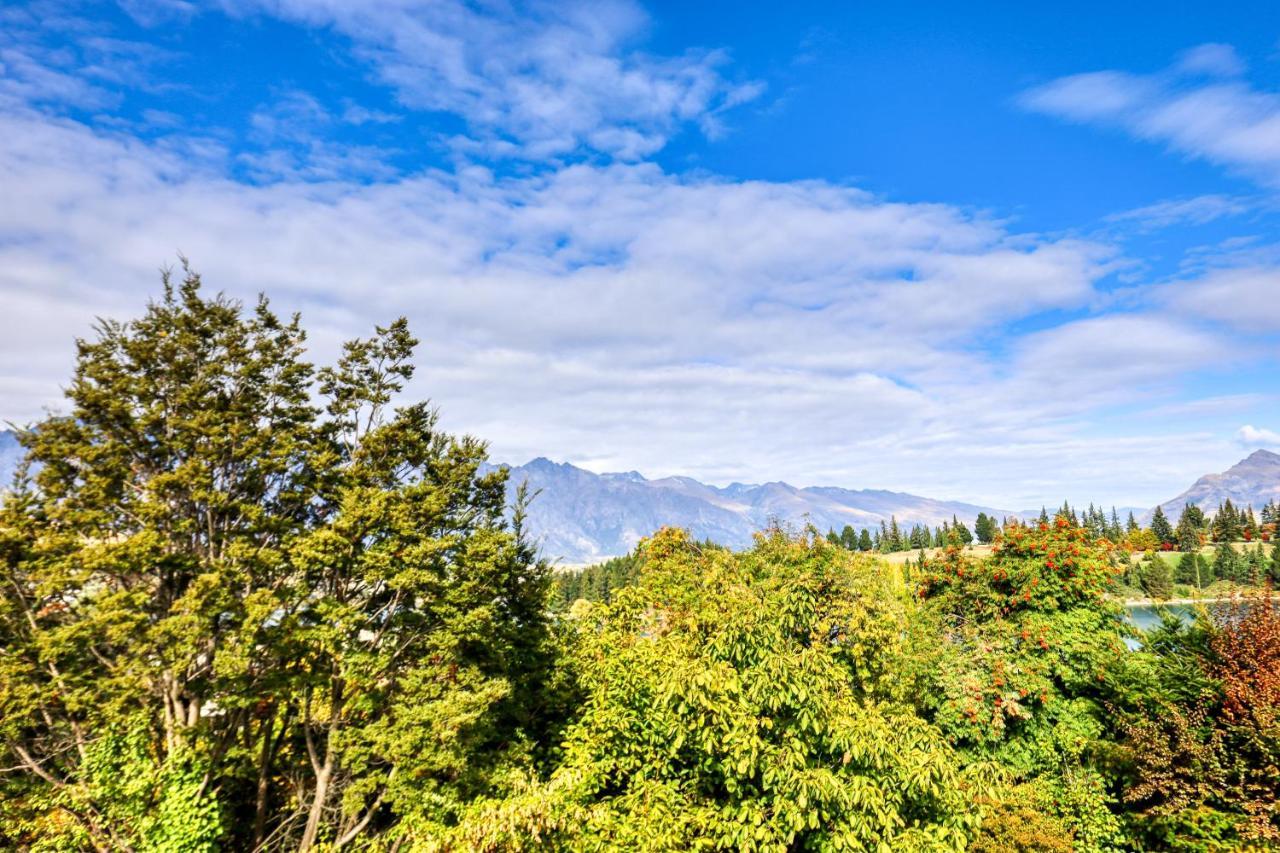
[{"x": 1147, "y": 616}]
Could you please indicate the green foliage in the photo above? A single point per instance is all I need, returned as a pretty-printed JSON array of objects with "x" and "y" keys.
[
  {"x": 1161, "y": 528},
  {"x": 230, "y": 616},
  {"x": 1156, "y": 577},
  {"x": 1025, "y": 650},
  {"x": 1198, "y": 732},
  {"x": 595, "y": 583},
  {"x": 1194, "y": 570},
  {"x": 743, "y": 701},
  {"x": 986, "y": 528}
]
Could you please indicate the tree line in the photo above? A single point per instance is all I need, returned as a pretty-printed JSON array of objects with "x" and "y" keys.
[{"x": 1194, "y": 529}]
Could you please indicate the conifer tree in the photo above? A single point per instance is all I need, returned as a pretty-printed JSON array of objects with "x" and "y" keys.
[
  {"x": 1249, "y": 525},
  {"x": 1114, "y": 531},
  {"x": 239, "y": 616},
  {"x": 1227, "y": 563},
  {"x": 1227, "y": 525},
  {"x": 1161, "y": 528},
  {"x": 1156, "y": 576},
  {"x": 985, "y": 529},
  {"x": 1191, "y": 570}
]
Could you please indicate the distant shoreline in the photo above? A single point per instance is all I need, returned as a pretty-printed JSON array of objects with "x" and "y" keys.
[{"x": 1151, "y": 602}]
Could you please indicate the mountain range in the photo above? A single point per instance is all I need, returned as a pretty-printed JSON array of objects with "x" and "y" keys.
[
  {"x": 1254, "y": 480},
  {"x": 579, "y": 517}
]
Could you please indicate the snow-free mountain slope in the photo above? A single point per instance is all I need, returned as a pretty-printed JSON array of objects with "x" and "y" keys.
[
  {"x": 1254, "y": 480},
  {"x": 580, "y": 517}
]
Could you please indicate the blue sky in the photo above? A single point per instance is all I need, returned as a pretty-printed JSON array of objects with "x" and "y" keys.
[{"x": 1002, "y": 253}]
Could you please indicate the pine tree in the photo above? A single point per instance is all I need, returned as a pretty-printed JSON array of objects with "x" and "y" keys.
[
  {"x": 1227, "y": 523},
  {"x": 1114, "y": 531},
  {"x": 1156, "y": 576},
  {"x": 1161, "y": 528},
  {"x": 1131, "y": 526},
  {"x": 1191, "y": 568},
  {"x": 1255, "y": 566},
  {"x": 261, "y": 556},
  {"x": 1249, "y": 525},
  {"x": 849, "y": 538},
  {"x": 1227, "y": 563},
  {"x": 1189, "y": 528},
  {"x": 985, "y": 528},
  {"x": 864, "y": 541}
]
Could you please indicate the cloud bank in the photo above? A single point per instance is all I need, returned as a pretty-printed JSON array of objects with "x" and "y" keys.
[{"x": 596, "y": 308}]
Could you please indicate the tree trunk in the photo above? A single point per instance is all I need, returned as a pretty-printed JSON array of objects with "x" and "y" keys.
[{"x": 317, "y": 810}]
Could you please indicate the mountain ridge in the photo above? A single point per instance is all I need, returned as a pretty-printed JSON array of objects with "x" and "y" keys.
[
  {"x": 579, "y": 516},
  {"x": 1254, "y": 481}
]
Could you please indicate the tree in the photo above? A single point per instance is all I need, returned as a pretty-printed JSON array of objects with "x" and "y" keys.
[
  {"x": 1227, "y": 563},
  {"x": 1190, "y": 528},
  {"x": 1131, "y": 526},
  {"x": 1192, "y": 570},
  {"x": 849, "y": 538},
  {"x": 1194, "y": 516},
  {"x": 960, "y": 531},
  {"x": 985, "y": 528},
  {"x": 864, "y": 541},
  {"x": 222, "y": 601},
  {"x": 1161, "y": 528},
  {"x": 1227, "y": 524},
  {"x": 764, "y": 711},
  {"x": 1249, "y": 525},
  {"x": 1156, "y": 576},
  {"x": 1029, "y": 643}
]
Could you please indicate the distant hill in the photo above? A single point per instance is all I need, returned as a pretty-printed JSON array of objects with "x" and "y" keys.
[
  {"x": 580, "y": 517},
  {"x": 1253, "y": 480}
]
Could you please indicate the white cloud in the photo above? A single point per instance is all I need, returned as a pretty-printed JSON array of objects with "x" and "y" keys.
[
  {"x": 533, "y": 80},
  {"x": 1213, "y": 58},
  {"x": 1245, "y": 297},
  {"x": 749, "y": 330},
  {"x": 1251, "y": 436},
  {"x": 609, "y": 311},
  {"x": 1225, "y": 121},
  {"x": 1198, "y": 210}
]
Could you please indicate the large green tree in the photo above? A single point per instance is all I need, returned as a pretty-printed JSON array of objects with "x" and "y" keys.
[
  {"x": 1161, "y": 527},
  {"x": 233, "y": 617},
  {"x": 1024, "y": 647},
  {"x": 751, "y": 701}
]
